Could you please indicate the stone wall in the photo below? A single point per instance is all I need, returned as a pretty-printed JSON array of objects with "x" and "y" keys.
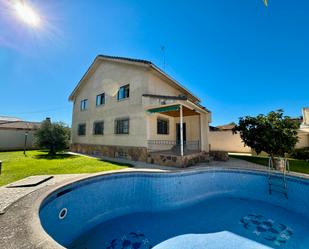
[
  {"x": 177, "y": 161},
  {"x": 141, "y": 154},
  {"x": 219, "y": 155},
  {"x": 127, "y": 152}
]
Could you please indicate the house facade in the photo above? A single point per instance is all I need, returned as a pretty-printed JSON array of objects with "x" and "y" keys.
[
  {"x": 16, "y": 134},
  {"x": 303, "y": 133},
  {"x": 131, "y": 109}
]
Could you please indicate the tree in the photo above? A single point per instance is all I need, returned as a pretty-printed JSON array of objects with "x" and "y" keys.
[
  {"x": 52, "y": 136},
  {"x": 273, "y": 133}
]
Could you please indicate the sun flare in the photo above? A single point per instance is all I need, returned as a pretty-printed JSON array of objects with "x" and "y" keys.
[{"x": 27, "y": 14}]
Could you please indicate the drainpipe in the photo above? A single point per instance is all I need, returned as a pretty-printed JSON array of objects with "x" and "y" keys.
[{"x": 181, "y": 130}]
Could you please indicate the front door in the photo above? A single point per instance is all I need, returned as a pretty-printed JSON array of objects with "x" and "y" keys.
[{"x": 178, "y": 133}]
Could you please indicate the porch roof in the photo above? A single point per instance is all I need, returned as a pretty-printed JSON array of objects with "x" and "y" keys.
[{"x": 173, "y": 110}]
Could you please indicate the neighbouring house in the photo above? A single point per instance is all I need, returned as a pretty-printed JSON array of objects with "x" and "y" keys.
[
  {"x": 221, "y": 138},
  {"x": 129, "y": 108},
  {"x": 15, "y": 133},
  {"x": 304, "y": 130}
]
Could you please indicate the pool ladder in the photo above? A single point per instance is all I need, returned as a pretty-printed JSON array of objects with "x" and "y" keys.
[{"x": 277, "y": 178}]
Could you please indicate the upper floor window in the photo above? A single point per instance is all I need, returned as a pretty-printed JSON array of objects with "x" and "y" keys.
[
  {"x": 100, "y": 99},
  {"x": 123, "y": 92},
  {"x": 98, "y": 128},
  {"x": 81, "y": 129},
  {"x": 84, "y": 104},
  {"x": 122, "y": 126},
  {"x": 162, "y": 126}
]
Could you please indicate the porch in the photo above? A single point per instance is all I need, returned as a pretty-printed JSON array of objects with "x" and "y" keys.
[{"x": 175, "y": 128}]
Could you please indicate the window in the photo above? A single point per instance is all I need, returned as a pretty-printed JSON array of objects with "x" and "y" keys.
[
  {"x": 162, "y": 126},
  {"x": 98, "y": 128},
  {"x": 121, "y": 154},
  {"x": 122, "y": 126},
  {"x": 83, "y": 105},
  {"x": 81, "y": 129},
  {"x": 100, "y": 100},
  {"x": 124, "y": 92}
]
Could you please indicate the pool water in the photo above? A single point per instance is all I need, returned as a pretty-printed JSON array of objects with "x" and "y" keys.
[{"x": 219, "y": 222}]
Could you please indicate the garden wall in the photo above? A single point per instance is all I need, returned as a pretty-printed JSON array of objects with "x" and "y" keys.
[
  {"x": 13, "y": 139},
  {"x": 229, "y": 142}
]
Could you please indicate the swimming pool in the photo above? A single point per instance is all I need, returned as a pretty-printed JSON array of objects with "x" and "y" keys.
[{"x": 201, "y": 209}]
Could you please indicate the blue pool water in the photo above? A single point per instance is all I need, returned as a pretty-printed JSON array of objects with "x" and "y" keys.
[{"x": 211, "y": 209}]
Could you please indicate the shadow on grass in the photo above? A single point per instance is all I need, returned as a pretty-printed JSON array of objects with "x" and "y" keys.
[
  {"x": 117, "y": 163},
  {"x": 57, "y": 156}
]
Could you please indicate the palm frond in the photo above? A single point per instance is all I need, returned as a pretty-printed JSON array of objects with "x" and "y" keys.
[{"x": 266, "y": 2}]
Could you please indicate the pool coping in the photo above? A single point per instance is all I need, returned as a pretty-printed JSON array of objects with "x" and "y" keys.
[{"x": 34, "y": 234}]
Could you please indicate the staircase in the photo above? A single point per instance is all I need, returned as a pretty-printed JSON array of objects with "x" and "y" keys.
[{"x": 277, "y": 178}]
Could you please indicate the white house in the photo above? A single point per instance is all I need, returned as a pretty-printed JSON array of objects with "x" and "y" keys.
[
  {"x": 16, "y": 134},
  {"x": 130, "y": 108}
]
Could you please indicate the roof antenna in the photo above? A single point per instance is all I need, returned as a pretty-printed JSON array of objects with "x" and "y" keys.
[{"x": 162, "y": 48}]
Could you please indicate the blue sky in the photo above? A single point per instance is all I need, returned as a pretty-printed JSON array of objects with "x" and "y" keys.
[{"x": 238, "y": 56}]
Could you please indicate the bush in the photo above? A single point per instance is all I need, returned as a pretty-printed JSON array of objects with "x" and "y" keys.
[{"x": 302, "y": 154}]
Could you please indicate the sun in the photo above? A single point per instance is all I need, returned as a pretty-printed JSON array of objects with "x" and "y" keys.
[{"x": 27, "y": 14}]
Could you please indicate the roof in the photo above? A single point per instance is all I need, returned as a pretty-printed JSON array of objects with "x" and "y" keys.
[
  {"x": 6, "y": 118},
  {"x": 131, "y": 60},
  {"x": 165, "y": 97},
  {"x": 19, "y": 125},
  {"x": 226, "y": 127}
]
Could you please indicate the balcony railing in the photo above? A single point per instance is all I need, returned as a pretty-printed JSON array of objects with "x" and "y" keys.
[{"x": 173, "y": 146}]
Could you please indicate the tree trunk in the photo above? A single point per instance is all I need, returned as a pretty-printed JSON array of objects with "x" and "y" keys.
[
  {"x": 278, "y": 163},
  {"x": 52, "y": 151}
]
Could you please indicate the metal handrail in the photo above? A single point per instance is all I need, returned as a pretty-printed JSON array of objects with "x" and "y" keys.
[
  {"x": 173, "y": 146},
  {"x": 172, "y": 142}
]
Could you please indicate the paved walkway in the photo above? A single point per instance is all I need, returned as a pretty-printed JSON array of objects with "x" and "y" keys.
[
  {"x": 10, "y": 195},
  {"x": 231, "y": 163}
]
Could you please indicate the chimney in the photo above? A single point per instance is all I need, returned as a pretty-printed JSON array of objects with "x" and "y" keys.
[{"x": 48, "y": 119}]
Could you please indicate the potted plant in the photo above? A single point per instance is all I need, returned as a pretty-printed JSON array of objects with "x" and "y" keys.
[{"x": 273, "y": 133}]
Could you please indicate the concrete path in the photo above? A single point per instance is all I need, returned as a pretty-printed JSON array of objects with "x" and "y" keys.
[
  {"x": 10, "y": 195},
  {"x": 231, "y": 163}
]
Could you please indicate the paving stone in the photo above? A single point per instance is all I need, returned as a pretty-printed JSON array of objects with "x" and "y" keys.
[
  {"x": 30, "y": 181},
  {"x": 10, "y": 195}
]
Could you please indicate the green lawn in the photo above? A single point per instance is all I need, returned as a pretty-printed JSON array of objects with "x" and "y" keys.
[
  {"x": 295, "y": 165},
  {"x": 16, "y": 166}
]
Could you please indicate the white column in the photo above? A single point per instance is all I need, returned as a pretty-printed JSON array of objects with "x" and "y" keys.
[
  {"x": 181, "y": 130},
  {"x": 201, "y": 132}
]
